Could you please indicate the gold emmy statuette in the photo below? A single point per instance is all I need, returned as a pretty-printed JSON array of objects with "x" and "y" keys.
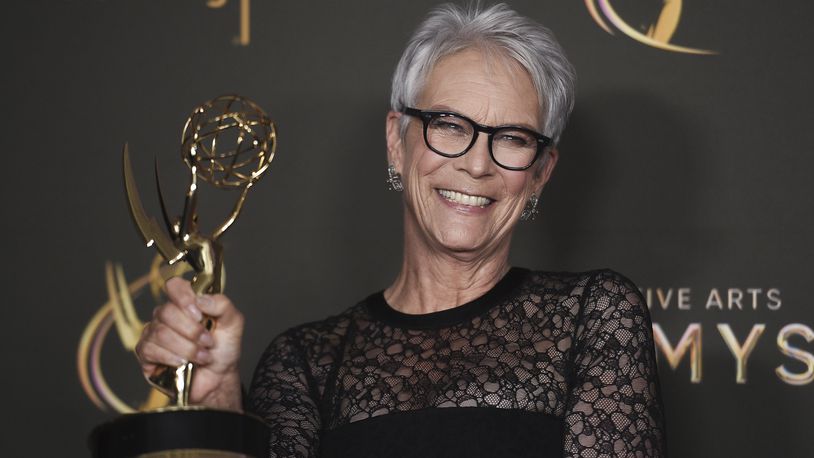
[{"x": 228, "y": 143}]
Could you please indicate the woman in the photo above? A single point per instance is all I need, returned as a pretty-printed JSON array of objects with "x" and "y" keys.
[{"x": 462, "y": 355}]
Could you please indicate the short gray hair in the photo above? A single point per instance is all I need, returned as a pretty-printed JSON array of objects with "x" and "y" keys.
[{"x": 451, "y": 28}]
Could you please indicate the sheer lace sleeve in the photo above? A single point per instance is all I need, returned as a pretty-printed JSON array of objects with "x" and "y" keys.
[
  {"x": 282, "y": 394},
  {"x": 614, "y": 407}
]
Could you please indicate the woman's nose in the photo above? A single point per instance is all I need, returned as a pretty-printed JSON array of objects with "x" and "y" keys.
[{"x": 476, "y": 162}]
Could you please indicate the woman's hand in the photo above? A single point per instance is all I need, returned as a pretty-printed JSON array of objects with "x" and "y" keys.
[{"x": 176, "y": 336}]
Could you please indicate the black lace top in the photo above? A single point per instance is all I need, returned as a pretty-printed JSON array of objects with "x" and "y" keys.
[{"x": 543, "y": 365}]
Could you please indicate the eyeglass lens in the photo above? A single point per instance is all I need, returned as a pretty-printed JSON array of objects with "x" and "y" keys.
[{"x": 452, "y": 135}]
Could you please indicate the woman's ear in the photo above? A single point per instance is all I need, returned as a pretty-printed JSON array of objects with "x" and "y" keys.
[
  {"x": 543, "y": 174},
  {"x": 395, "y": 147}
]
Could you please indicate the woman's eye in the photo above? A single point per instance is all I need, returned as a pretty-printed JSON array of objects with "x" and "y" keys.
[
  {"x": 448, "y": 126},
  {"x": 513, "y": 140}
]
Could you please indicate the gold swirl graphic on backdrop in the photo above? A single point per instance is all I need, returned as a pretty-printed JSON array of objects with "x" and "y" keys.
[
  {"x": 243, "y": 38},
  {"x": 658, "y": 34}
]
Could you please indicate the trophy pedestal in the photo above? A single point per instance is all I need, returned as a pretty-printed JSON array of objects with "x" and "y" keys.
[{"x": 181, "y": 432}]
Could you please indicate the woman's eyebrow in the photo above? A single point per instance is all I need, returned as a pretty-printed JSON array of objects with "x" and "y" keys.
[{"x": 442, "y": 107}]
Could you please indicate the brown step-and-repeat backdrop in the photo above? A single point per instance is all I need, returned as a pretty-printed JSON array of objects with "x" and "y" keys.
[{"x": 687, "y": 166}]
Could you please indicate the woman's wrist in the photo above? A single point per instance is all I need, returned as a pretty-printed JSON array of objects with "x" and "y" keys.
[{"x": 228, "y": 396}]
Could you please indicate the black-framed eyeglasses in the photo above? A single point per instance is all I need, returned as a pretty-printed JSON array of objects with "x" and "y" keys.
[{"x": 452, "y": 135}]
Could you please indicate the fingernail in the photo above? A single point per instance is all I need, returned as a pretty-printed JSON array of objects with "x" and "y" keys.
[
  {"x": 203, "y": 356},
  {"x": 194, "y": 312},
  {"x": 206, "y": 339},
  {"x": 205, "y": 301},
  {"x": 180, "y": 361}
]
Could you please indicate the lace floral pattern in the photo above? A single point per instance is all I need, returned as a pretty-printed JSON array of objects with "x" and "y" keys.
[{"x": 577, "y": 347}]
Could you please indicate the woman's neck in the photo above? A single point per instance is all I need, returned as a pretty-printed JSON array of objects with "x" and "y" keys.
[{"x": 432, "y": 280}]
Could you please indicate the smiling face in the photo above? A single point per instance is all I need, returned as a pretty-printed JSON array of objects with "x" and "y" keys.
[{"x": 468, "y": 205}]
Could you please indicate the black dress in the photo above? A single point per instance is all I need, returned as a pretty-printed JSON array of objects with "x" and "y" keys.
[{"x": 542, "y": 365}]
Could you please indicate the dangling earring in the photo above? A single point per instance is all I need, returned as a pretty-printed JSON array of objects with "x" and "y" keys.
[
  {"x": 530, "y": 211},
  {"x": 394, "y": 179}
]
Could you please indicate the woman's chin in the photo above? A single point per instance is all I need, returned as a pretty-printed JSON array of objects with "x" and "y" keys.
[{"x": 462, "y": 241}]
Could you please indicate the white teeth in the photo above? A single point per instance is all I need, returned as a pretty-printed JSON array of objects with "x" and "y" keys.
[{"x": 465, "y": 199}]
